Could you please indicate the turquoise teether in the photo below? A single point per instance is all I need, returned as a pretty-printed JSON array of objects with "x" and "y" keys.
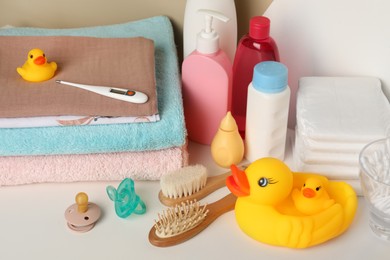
[{"x": 125, "y": 199}]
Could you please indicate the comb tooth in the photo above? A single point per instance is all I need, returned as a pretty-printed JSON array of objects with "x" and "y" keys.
[
  {"x": 184, "y": 191},
  {"x": 188, "y": 189},
  {"x": 178, "y": 192},
  {"x": 204, "y": 181},
  {"x": 196, "y": 187},
  {"x": 167, "y": 193}
]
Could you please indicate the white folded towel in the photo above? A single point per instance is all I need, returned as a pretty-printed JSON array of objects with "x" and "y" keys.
[
  {"x": 316, "y": 145},
  {"x": 331, "y": 171},
  {"x": 342, "y": 109}
]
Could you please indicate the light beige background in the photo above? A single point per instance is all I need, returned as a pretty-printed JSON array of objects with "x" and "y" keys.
[{"x": 78, "y": 13}]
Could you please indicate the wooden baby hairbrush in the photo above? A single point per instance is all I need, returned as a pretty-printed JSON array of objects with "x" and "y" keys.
[
  {"x": 189, "y": 183},
  {"x": 182, "y": 222}
]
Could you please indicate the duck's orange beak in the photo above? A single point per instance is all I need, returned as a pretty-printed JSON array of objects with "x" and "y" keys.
[
  {"x": 238, "y": 182},
  {"x": 40, "y": 60},
  {"x": 308, "y": 193}
]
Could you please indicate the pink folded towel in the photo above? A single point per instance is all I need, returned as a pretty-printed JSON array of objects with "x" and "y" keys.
[{"x": 148, "y": 165}]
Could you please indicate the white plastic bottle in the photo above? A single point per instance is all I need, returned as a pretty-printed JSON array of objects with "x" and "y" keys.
[
  {"x": 207, "y": 80},
  {"x": 267, "y": 111},
  {"x": 193, "y": 23}
]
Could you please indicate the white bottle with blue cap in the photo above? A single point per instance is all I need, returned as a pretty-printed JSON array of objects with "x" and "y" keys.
[{"x": 267, "y": 111}]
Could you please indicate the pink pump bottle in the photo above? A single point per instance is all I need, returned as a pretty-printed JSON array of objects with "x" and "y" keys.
[
  {"x": 253, "y": 48},
  {"x": 206, "y": 79}
]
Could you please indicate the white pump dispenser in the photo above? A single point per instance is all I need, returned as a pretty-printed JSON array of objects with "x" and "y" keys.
[
  {"x": 208, "y": 38},
  {"x": 193, "y": 24}
]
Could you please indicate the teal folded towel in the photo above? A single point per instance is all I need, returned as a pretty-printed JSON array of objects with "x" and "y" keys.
[{"x": 168, "y": 132}]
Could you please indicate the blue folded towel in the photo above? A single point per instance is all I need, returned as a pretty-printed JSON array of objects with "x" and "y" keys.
[{"x": 168, "y": 132}]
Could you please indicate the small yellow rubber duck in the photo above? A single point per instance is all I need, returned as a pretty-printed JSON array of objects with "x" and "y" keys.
[
  {"x": 36, "y": 68},
  {"x": 265, "y": 210},
  {"x": 312, "y": 198}
]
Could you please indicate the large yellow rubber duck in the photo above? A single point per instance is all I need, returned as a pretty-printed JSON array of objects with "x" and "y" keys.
[
  {"x": 266, "y": 212},
  {"x": 312, "y": 198},
  {"x": 36, "y": 68}
]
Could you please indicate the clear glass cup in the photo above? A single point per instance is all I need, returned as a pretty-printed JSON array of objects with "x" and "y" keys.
[{"x": 374, "y": 160}]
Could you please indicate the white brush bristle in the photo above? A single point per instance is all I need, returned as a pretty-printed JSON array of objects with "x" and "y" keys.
[
  {"x": 179, "y": 219},
  {"x": 184, "y": 182}
]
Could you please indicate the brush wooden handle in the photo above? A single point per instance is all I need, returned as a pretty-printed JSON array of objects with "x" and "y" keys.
[
  {"x": 213, "y": 183},
  {"x": 216, "y": 209}
]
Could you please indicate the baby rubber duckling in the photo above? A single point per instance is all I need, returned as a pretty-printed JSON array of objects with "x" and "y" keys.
[
  {"x": 36, "y": 68},
  {"x": 312, "y": 198}
]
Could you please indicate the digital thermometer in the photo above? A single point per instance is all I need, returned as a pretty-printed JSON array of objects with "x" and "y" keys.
[{"x": 131, "y": 96}]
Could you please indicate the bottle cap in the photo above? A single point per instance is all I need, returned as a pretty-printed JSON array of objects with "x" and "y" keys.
[
  {"x": 259, "y": 27},
  {"x": 208, "y": 38},
  {"x": 270, "y": 77}
]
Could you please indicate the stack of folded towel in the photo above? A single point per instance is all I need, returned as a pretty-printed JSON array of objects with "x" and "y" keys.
[
  {"x": 115, "y": 148},
  {"x": 336, "y": 118}
]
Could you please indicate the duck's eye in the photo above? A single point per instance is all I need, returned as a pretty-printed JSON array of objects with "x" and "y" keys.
[
  {"x": 318, "y": 188},
  {"x": 263, "y": 182},
  {"x": 304, "y": 185},
  {"x": 43, "y": 55},
  {"x": 31, "y": 56}
]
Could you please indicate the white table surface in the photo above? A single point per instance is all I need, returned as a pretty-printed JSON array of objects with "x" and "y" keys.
[{"x": 32, "y": 226}]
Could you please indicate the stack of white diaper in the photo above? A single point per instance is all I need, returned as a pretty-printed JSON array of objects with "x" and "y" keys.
[{"x": 336, "y": 118}]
